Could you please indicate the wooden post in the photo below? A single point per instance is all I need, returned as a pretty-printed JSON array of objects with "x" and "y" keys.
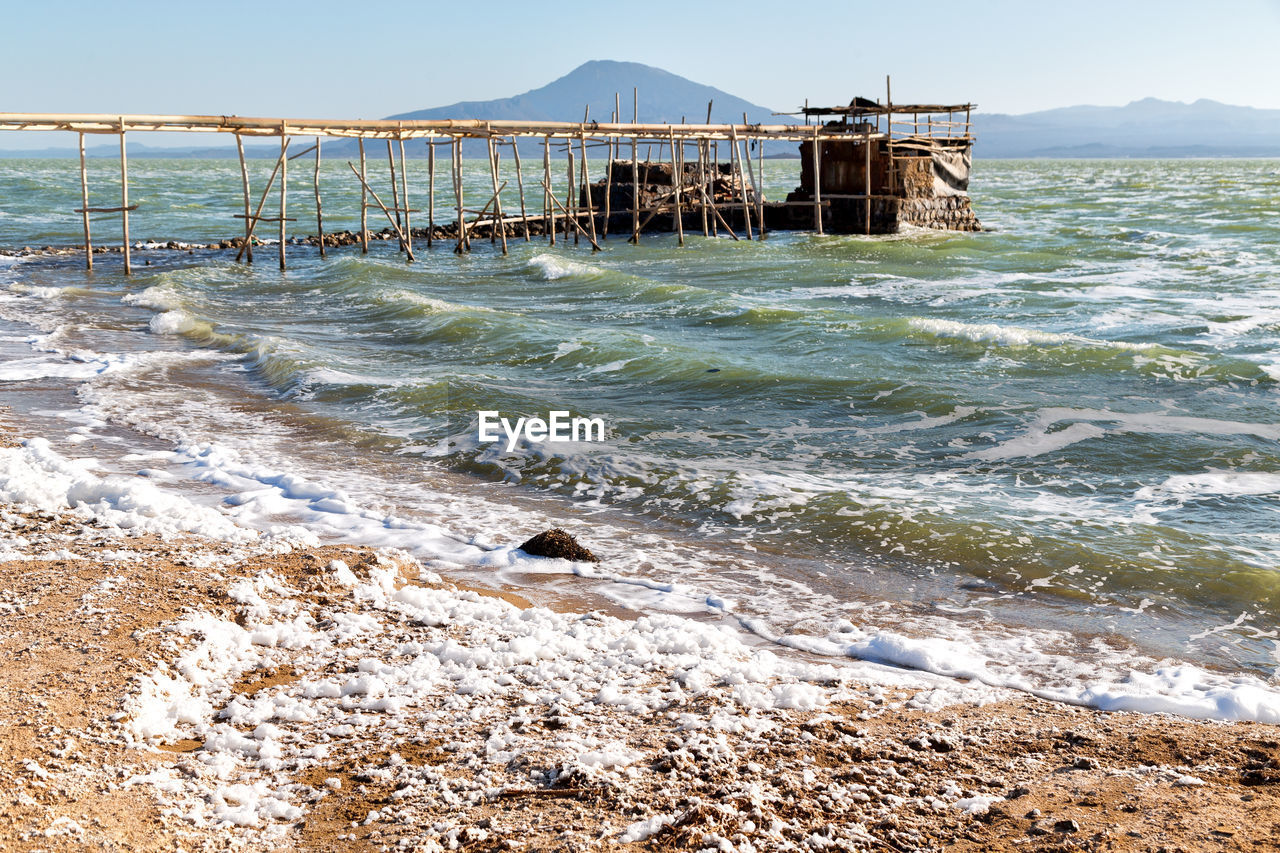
[
  {"x": 431, "y": 191},
  {"x": 404, "y": 198},
  {"x": 888, "y": 131},
  {"x": 498, "y": 218},
  {"x": 549, "y": 219},
  {"x": 319, "y": 215},
  {"x": 741, "y": 179},
  {"x": 84, "y": 206},
  {"x": 244, "y": 182},
  {"x": 571, "y": 206},
  {"x": 760, "y": 191},
  {"x": 262, "y": 201},
  {"x": 364, "y": 202},
  {"x": 702, "y": 185},
  {"x": 714, "y": 149},
  {"x": 284, "y": 183},
  {"x": 635, "y": 190},
  {"x": 677, "y": 180},
  {"x": 866, "y": 225},
  {"x": 124, "y": 198},
  {"x": 524, "y": 214},
  {"x": 608, "y": 172},
  {"x": 463, "y": 243},
  {"x": 586, "y": 185},
  {"x": 395, "y": 193},
  {"x": 385, "y": 212},
  {"x": 817, "y": 180}
]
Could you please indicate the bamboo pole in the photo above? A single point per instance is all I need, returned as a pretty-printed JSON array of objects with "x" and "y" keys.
[
  {"x": 817, "y": 183},
  {"x": 548, "y": 220},
  {"x": 608, "y": 171},
  {"x": 484, "y": 210},
  {"x": 677, "y": 179},
  {"x": 586, "y": 185},
  {"x": 124, "y": 198},
  {"x": 524, "y": 214},
  {"x": 244, "y": 182},
  {"x": 713, "y": 148},
  {"x": 84, "y": 206},
  {"x": 867, "y": 190},
  {"x": 570, "y": 202},
  {"x": 888, "y": 130},
  {"x": 395, "y": 194},
  {"x": 755, "y": 188},
  {"x": 364, "y": 204},
  {"x": 635, "y": 190},
  {"x": 463, "y": 243},
  {"x": 702, "y": 186},
  {"x": 499, "y": 218},
  {"x": 735, "y": 159},
  {"x": 572, "y": 221},
  {"x": 386, "y": 212},
  {"x": 493, "y": 174},
  {"x": 284, "y": 184},
  {"x": 759, "y": 195},
  {"x": 404, "y": 198},
  {"x": 262, "y": 201},
  {"x": 431, "y": 191},
  {"x": 319, "y": 215}
]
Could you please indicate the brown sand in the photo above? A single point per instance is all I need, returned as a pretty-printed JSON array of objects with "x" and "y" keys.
[{"x": 867, "y": 774}]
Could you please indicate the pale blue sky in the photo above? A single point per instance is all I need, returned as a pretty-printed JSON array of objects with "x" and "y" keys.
[{"x": 331, "y": 59}]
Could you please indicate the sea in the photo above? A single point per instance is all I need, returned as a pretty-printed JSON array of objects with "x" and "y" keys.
[{"x": 1044, "y": 456}]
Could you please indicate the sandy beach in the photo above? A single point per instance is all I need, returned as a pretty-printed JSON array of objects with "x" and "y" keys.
[{"x": 173, "y": 692}]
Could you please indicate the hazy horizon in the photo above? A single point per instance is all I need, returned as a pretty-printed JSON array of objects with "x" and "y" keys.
[{"x": 320, "y": 60}]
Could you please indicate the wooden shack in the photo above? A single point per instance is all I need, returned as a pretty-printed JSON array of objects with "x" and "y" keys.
[{"x": 903, "y": 164}]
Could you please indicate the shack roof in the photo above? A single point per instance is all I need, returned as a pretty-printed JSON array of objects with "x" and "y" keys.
[{"x": 865, "y": 107}]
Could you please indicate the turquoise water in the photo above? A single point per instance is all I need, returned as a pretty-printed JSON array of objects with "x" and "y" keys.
[{"x": 1067, "y": 421}]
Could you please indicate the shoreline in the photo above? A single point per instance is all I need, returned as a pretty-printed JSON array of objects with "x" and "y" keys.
[{"x": 266, "y": 694}]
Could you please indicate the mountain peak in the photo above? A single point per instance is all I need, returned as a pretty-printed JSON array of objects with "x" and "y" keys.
[{"x": 595, "y": 86}]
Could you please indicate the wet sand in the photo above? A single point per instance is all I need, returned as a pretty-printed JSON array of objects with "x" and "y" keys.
[{"x": 88, "y": 616}]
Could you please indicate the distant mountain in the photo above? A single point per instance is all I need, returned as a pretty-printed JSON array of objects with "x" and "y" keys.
[
  {"x": 1146, "y": 128},
  {"x": 663, "y": 98}
]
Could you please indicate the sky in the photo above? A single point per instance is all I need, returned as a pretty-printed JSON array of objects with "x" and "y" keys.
[{"x": 368, "y": 60}]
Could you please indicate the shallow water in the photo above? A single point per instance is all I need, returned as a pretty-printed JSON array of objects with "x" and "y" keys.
[{"x": 1064, "y": 425}]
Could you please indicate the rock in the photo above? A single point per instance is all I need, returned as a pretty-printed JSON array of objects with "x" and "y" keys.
[
  {"x": 558, "y": 544},
  {"x": 1020, "y": 791},
  {"x": 1084, "y": 763},
  {"x": 1066, "y": 825}
]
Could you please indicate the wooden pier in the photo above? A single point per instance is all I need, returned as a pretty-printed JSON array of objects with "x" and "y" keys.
[{"x": 851, "y": 167}]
